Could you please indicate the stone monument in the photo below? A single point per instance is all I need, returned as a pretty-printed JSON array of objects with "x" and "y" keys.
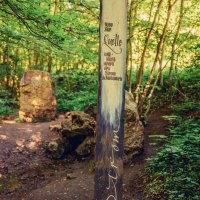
[{"x": 37, "y": 97}]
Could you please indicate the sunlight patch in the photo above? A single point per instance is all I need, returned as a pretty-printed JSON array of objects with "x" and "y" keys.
[
  {"x": 9, "y": 122},
  {"x": 3, "y": 137},
  {"x": 20, "y": 143}
]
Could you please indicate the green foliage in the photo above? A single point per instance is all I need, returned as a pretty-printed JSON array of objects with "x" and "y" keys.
[
  {"x": 191, "y": 109},
  {"x": 174, "y": 173},
  {"x": 184, "y": 91},
  {"x": 190, "y": 79},
  {"x": 173, "y": 119},
  {"x": 65, "y": 32},
  {"x": 5, "y": 110},
  {"x": 75, "y": 89},
  {"x": 7, "y": 104},
  {"x": 157, "y": 138}
]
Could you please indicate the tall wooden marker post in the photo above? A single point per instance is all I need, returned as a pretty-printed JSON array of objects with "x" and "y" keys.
[{"x": 112, "y": 69}]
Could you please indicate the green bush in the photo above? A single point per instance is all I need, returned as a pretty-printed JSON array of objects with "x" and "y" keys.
[
  {"x": 190, "y": 79},
  {"x": 174, "y": 173},
  {"x": 7, "y": 104},
  {"x": 75, "y": 89},
  {"x": 5, "y": 110}
]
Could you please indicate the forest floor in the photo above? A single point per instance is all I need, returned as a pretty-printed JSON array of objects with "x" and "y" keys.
[{"x": 26, "y": 173}]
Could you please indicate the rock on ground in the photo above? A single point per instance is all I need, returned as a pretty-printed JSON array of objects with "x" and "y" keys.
[
  {"x": 37, "y": 98},
  {"x": 77, "y": 135},
  {"x": 133, "y": 128},
  {"x": 77, "y": 131}
]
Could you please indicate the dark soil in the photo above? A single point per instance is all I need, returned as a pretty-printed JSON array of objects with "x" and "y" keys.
[{"x": 26, "y": 173}]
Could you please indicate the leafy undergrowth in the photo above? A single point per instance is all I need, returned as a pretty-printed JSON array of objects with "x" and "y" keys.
[
  {"x": 174, "y": 173},
  {"x": 8, "y": 105},
  {"x": 75, "y": 90}
]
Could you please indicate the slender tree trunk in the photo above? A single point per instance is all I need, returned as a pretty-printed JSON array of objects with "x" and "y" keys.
[
  {"x": 174, "y": 44},
  {"x": 14, "y": 82},
  {"x": 150, "y": 15},
  {"x": 178, "y": 79},
  {"x": 50, "y": 59},
  {"x": 161, "y": 73},
  {"x": 170, "y": 6},
  {"x": 141, "y": 68},
  {"x": 56, "y": 6},
  {"x": 128, "y": 44},
  {"x": 60, "y": 5},
  {"x": 8, "y": 65},
  {"x": 161, "y": 64},
  {"x": 130, "y": 53},
  {"x": 36, "y": 58},
  {"x": 0, "y": 56},
  {"x": 29, "y": 59},
  {"x": 49, "y": 64},
  {"x": 41, "y": 63}
]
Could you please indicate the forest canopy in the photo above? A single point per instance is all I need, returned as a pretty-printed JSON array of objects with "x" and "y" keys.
[
  {"x": 58, "y": 36},
  {"x": 162, "y": 72}
]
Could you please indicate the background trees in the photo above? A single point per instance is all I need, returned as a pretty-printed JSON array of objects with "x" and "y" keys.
[
  {"x": 163, "y": 54},
  {"x": 47, "y": 35},
  {"x": 161, "y": 43},
  {"x": 59, "y": 36}
]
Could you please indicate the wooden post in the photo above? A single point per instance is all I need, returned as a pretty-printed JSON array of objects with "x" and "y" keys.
[{"x": 112, "y": 69}]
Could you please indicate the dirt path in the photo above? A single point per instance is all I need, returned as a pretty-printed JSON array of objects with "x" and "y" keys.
[
  {"x": 156, "y": 125},
  {"x": 27, "y": 174}
]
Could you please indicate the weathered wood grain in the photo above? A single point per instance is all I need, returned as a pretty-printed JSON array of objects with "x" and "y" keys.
[{"x": 110, "y": 131}]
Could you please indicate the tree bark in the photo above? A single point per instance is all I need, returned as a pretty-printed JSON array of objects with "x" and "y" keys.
[
  {"x": 8, "y": 66},
  {"x": 170, "y": 6},
  {"x": 174, "y": 45},
  {"x": 56, "y": 6},
  {"x": 140, "y": 71},
  {"x": 161, "y": 64},
  {"x": 130, "y": 46},
  {"x": 36, "y": 57},
  {"x": 50, "y": 61}
]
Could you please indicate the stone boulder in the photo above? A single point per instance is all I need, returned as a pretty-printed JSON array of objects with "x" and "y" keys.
[
  {"x": 57, "y": 148},
  {"x": 37, "y": 97},
  {"x": 87, "y": 147},
  {"x": 133, "y": 128},
  {"x": 77, "y": 131},
  {"x": 77, "y": 124},
  {"x": 133, "y": 132},
  {"x": 76, "y": 135}
]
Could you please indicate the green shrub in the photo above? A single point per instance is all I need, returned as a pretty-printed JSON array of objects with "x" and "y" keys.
[
  {"x": 7, "y": 104},
  {"x": 174, "y": 173},
  {"x": 75, "y": 89},
  {"x": 191, "y": 109},
  {"x": 190, "y": 79}
]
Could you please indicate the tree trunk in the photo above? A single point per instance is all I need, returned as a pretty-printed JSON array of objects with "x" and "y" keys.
[
  {"x": 36, "y": 58},
  {"x": 161, "y": 64},
  {"x": 14, "y": 81},
  {"x": 50, "y": 61},
  {"x": 29, "y": 59},
  {"x": 130, "y": 47},
  {"x": 8, "y": 66},
  {"x": 56, "y": 6},
  {"x": 174, "y": 45},
  {"x": 140, "y": 71},
  {"x": 150, "y": 15},
  {"x": 170, "y": 6}
]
